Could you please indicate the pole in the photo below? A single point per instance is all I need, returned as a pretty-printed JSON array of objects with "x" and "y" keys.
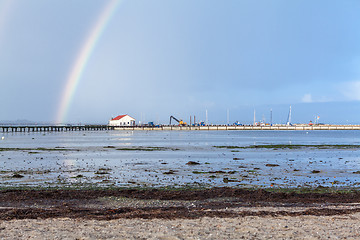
[
  {"x": 206, "y": 118},
  {"x": 254, "y": 117}
]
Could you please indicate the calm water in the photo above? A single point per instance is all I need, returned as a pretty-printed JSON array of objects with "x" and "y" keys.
[{"x": 91, "y": 162}]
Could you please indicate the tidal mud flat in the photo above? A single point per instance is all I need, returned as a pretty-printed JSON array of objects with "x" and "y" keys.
[
  {"x": 190, "y": 159},
  {"x": 180, "y": 185}
]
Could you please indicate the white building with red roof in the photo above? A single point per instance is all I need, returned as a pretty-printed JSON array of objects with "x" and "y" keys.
[{"x": 122, "y": 120}]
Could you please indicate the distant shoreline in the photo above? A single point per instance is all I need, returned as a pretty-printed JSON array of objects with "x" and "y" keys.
[{"x": 277, "y": 127}]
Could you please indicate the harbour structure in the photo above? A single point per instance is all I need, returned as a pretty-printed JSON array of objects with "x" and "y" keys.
[
  {"x": 198, "y": 127},
  {"x": 274, "y": 127},
  {"x": 122, "y": 120},
  {"x": 53, "y": 128}
]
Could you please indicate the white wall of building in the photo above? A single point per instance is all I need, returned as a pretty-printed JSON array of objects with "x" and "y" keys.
[{"x": 124, "y": 121}]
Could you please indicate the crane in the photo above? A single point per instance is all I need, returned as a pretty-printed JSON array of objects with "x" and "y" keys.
[{"x": 181, "y": 122}]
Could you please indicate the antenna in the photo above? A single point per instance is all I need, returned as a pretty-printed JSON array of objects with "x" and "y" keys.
[{"x": 289, "y": 117}]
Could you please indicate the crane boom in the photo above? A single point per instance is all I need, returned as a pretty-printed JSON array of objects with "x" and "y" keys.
[
  {"x": 181, "y": 123},
  {"x": 172, "y": 117}
]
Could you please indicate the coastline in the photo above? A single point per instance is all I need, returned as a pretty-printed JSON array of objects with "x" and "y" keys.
[{"x": 218, "y": 213}]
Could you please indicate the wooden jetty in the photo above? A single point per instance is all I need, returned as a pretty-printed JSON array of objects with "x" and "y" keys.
[
  {"x": 55, "y": 128},
  {"x": 67, "y": 128}
]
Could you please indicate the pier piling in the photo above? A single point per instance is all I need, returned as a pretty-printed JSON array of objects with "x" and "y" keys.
[{"x": 64, "y": 128}]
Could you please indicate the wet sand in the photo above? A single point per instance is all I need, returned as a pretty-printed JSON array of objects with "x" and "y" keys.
[
  {"x": 244, "y": 159},
  {"x": 210, "y": 166}
]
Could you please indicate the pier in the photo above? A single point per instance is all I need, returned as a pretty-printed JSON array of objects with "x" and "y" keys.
[
  {"x": 68, "y": 128},
  {"x": 244, "y": 128},
  {"x": 55, "y": 128}
]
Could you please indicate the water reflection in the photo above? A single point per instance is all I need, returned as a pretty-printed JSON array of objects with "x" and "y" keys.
[{"x": 89, "y": 160}]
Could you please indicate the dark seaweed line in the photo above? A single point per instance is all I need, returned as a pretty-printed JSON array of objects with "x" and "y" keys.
[
  {"x": 295, "y": 146},
  {"x": 146, "y": 149},
  {"x": 157, "y": 213}
]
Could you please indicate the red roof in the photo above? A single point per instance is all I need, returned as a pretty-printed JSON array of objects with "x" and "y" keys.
[{"x": 119, "y": 117}]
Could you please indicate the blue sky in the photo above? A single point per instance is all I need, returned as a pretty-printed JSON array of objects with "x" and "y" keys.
[{"x": 160, "y": 58}]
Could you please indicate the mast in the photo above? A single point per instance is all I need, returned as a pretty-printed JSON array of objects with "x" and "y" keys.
[
  {"x": 207, "y": 123},
  {"x": 289, "y": 117},
  {"x": 254, "y": 117}
]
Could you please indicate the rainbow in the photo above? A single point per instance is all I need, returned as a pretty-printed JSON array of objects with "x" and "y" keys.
[{"x": 82, "y": 59}]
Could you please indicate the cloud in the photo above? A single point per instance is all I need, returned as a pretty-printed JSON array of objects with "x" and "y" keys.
[
  {"x": 351, "y": 90},
  {"x": 307, "y": 98}
]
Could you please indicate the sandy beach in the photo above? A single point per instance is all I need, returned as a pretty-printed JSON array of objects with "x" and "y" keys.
[
  {"x": 284, "y": 227},
  {"x": 219, "y": 213}
]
